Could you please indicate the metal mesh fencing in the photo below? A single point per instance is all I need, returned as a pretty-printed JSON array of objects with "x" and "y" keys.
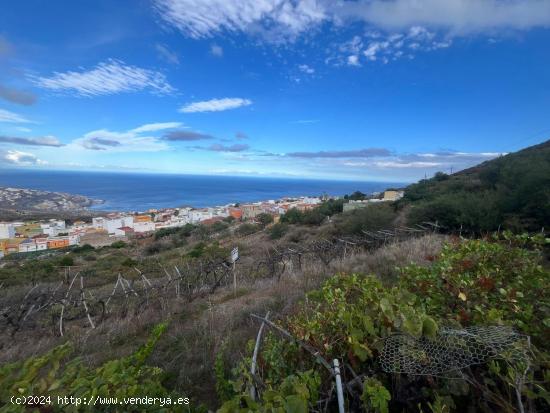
[{"x": 452, "y": 350}]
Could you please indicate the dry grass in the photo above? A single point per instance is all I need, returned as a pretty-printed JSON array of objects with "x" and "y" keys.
[
  {"x": 385, "y": 261},
  {"x": 218, "y": 322}
]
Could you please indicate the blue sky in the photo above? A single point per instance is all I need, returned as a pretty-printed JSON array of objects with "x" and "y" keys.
[{"x": 389, "y": 90}]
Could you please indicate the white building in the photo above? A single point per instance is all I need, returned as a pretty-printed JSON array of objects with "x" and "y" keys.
[
  {"x": 128, "y": 221},
  {"x": 49, "y": 230},
  {"x": 7, "y": 230},
  {"x": 112, "y": 224},
  {"x": 198, "y": 215},
  {"x": 58, "y": 223},
  {"x": 29, "y": 245},
  {"x": 98, "y": 222},
  {"x": 41, "y": 244},
  {"x": 311, "y": 201},
  {"x": 74, "y": 239},
  {"x": 140, "y": 227},
  {"x": 53, "y": 227}
]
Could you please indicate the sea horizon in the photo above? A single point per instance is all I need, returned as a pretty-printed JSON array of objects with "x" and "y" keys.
[{"x": 140, "y": 191}]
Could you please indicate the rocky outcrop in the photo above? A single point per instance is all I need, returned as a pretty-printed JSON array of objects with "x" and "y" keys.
[{"x": 35, "y": 200}]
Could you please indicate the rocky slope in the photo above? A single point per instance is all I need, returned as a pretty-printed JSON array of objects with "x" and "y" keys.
[{"x": 18, "y": 199}]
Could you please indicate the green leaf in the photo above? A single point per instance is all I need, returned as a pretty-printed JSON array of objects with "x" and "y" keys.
[{"x": 429, "y": 327}]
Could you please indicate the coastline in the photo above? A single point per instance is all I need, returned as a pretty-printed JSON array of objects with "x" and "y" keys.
[{"x": 140, "y": 192}]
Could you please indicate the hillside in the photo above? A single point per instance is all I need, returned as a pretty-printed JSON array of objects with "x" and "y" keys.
[
  {"x": 512, "y": 191},
  {"x": 20, "y": 203},
  {"x": 420, "y": 321}
]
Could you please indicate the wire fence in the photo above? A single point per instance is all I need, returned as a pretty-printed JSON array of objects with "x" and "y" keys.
[{"x": 75, "y": 300}]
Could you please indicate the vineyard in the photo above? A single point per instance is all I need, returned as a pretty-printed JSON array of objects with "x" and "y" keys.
[
  {"x": 469, "y": 333},
  {"x": 458, "y": 333},
  {"x": 51, "y": 306}
]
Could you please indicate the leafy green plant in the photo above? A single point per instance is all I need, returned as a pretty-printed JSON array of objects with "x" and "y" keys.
[
  {"x": 495, "y": 281},
  {"x": 53, "y": 375},
  {"x": 375, "y": 396}
]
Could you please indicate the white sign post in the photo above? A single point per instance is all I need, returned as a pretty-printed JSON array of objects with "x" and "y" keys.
[
  {"x": 234, "y": 254},
  {"x": 234, "y": 258}
]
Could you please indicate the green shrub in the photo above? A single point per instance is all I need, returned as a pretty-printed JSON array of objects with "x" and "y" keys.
[
  {"x": 66, "y": 261},
  {"x": 219, "y": 226},
  {"x": 278, "y": 230},
  {"x": 472, "y": 282},
  {"x": 371, "y": 218},
  {"x": 511, "y": 192},
  {"x": 264, "y": 219},
  {"x": 54, "y": 375},
  {"x": 292, "y": 216},
  {"x": 83, "y": 248},
  {"x": 247, "y": 229},
  {"x": 118, "y": 244}
]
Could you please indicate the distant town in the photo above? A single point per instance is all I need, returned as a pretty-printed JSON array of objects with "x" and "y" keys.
[{"x": 39, "y": 235}]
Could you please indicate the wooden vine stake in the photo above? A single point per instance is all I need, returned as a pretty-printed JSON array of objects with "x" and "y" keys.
[
  {"x": 83, "y": 298},
  {"x": 255, "y": 357}
]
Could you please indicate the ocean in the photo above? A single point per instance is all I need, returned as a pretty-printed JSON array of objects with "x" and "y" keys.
[{"x": 139, "y": 192}]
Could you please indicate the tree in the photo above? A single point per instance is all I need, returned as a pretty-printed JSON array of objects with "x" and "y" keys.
[
  {"x": 264, "y": 219},
  {"x": 66, "y": 261},
  {"x": 293, "y": 216},
  {"x": 356, "y": 196},
  {"x": 247, "y": 229},
  {"x": 278, "y": 230}
]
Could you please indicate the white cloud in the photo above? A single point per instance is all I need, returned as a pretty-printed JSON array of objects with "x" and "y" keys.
[
  {"x": 153, "y": 127},
  {"x": 39, "y": 141},
  {"x": 392, "y": 164},
  {"x": 238, "y": 147},
  {"x": 10, "y": 117},
  {"x": 305, "y": 121},
  {"x": 132, "y": 140},
  {"x": 166, "y": 54},
  {"x": 353, "y": 60},
  {"x": 109, "y": 77},
  {"x": 216, "y": 50},
  {"x": 215, "y": 105},
  {"x": 22, "y": 158},
  {"x": 391, "y": 29},
  {"x": 457, "y": 16},
  {"x": 306, "y": 69},
  {"x": 290, "y": 18},
  {"x": 386, "y": 47},
  {"x": 382, "y": 161},
  {"x": 204, "y": 18}
]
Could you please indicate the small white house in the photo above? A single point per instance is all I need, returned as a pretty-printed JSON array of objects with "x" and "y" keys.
[
  {"x": 50, "y": 230},
  {"x": 111, "y": 225},
  {"x": 98, "y": 222},
  {"x": 27, "y": 246},
  {"x": 140, "y": 227},
  {"x": 128, "y": 221},
  {"x": 41, "y": 244}
]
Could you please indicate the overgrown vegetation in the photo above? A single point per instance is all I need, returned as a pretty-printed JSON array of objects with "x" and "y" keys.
[
  {"x": 500, "y": 280},
  {"x": 316, "y": 216},
  {"x": 472, "y": 282},
  {"x": 511, "y": 192},
  {"x": 53, "y": 382}
]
